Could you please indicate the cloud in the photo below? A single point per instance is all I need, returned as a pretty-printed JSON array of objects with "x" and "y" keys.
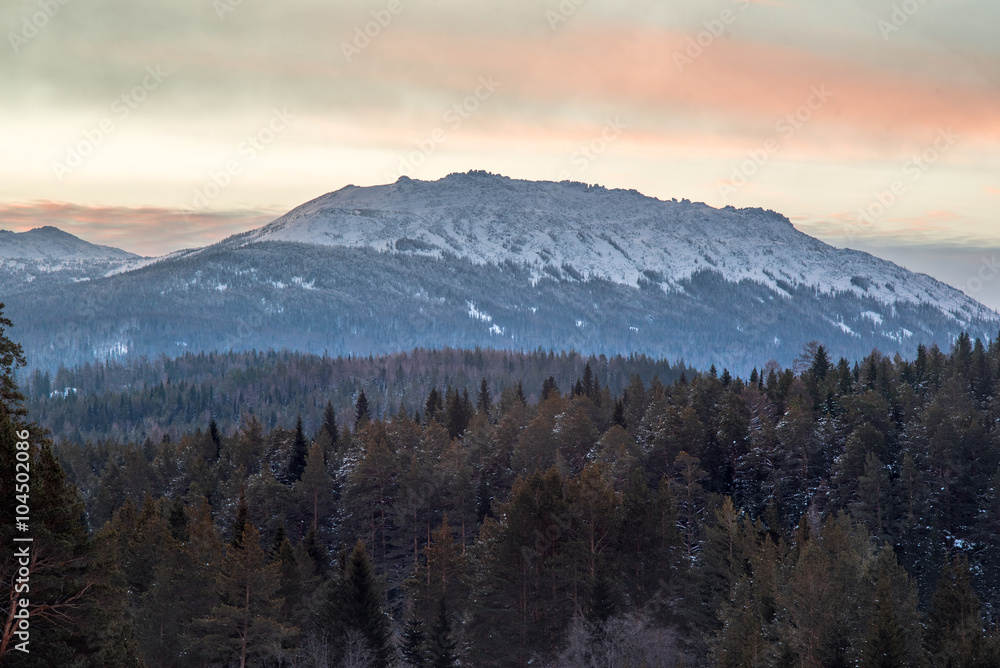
[{"x": 146, "y": 231}]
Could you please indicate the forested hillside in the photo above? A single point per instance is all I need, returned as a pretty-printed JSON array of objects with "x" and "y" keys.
[
  {"x": 846, "y": 515},
  {"x": 145, "y": 399}
]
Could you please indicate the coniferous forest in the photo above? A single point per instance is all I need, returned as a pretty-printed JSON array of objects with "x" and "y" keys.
[{"x": 840, "y": 513}]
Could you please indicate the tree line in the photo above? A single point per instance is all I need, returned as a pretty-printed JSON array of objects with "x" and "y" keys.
[{"x": 826, "y": 515}]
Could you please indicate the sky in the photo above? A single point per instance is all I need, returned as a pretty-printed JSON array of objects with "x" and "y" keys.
[{"x": 155, "y": 126}]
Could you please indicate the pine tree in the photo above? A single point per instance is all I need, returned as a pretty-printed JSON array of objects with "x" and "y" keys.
[
  {"x": 589, "y": 387},
  {"x": 483, "y": 399},
  {"x": 240, "y": 522},
  {"x": 820, "y": 364},
  {"x": 77, "y": 613},
  {"x": 954, "y": 625},
  {"x": 884, "y": 645},
  {"x": 178, "y": 520},
  {"x": 484, "y": 499},
  {"x": 315, "y": 484},
  {"x": 413, "y": 647},
  {"x": 246, "y": 625},
  {"x": 440, "y": 643},
  {"x": 355, "y": 603},
  {"x": 549, "y": 388},
  {"x": 300, "y": 450},
  {"x": 361, "y": 413},
  {"x": 216, "y": 439},
  {"x": 434, "y": 406},
  {"x": 330, "y": 423}
]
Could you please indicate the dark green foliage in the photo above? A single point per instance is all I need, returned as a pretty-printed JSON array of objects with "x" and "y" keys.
[
  {"x": 355, "y": 602},
  {"x": 361, "y": 412},
  {"x": 441, "y": 645},
  {"x": 549, "y": 388},
  {"x": 330, "y": 423},
  {"x": 413, "y": 648},
  {"x": 240, "y": 521},
  {"x": 178, "y": 520},
  {"x": 483, "y": 399},
  {"x": 954, "y": 629},
  {"x": 739, "y": 520},
  {"x": 300, "y": 449}
]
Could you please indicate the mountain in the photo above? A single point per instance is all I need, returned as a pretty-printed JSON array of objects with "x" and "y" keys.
[
  {"x": 46, "y": 258},
  {"x": 51, "y": 243},
  {"x": 482, "y": 260}
]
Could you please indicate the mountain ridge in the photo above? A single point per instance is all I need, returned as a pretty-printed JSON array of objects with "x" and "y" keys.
[
  {"x": 663, "y": 241},
  {"x": 481, "y": 260},
  {"x": 51, "y": 243}
]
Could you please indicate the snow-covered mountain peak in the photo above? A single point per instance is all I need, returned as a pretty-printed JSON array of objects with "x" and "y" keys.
[
  {"x": 577, "y": 231},
  {"x": 52, "y": 244}
]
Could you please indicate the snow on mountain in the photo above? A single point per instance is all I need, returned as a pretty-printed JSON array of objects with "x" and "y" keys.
[
  {"x": 52, "y": 244},
  {"x": 574, "y": 231}
]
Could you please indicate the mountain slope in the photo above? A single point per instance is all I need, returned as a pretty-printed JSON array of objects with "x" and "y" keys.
[
  {"x": 591, "y": 232},
  {"x": 480, "y": 260},
  {"x": 51, "y": 243},
  {"x": 48, "y": 258}
]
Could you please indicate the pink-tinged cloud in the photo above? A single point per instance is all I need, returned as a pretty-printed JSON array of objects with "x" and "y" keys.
[
  {"x": 146, "y": 231},
  {"x": 731, "y": 83},
  {"x": 989, "y": 190}
]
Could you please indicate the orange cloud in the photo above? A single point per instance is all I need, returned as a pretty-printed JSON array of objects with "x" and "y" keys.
[
  {"x": 146, "y": 231},
  {"x": 733, "y": 83}
]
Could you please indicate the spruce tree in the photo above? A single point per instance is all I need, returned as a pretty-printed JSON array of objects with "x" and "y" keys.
[
  {"x": 441, "y": 644},
  {"x": 178, "y": 520},
  {"x": 413, "y": 647},
  {"x": 820, "y": 364},
  {"x": 216, "y": 439},
  {"x": 362, "y": 415},
  {"x": 483, "y": 399},
  {"x": 484, "y": 499},
  {"x": 246, "y": 625},
  {"x": 330, "y": 423},
  {"x": 240, "y": 522},
  {"x": 300, "y": 450},
  {"x": 355, "y": 603},
  {"x": 954, "y": 625},
  {"x": 434, "y": 406}
]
